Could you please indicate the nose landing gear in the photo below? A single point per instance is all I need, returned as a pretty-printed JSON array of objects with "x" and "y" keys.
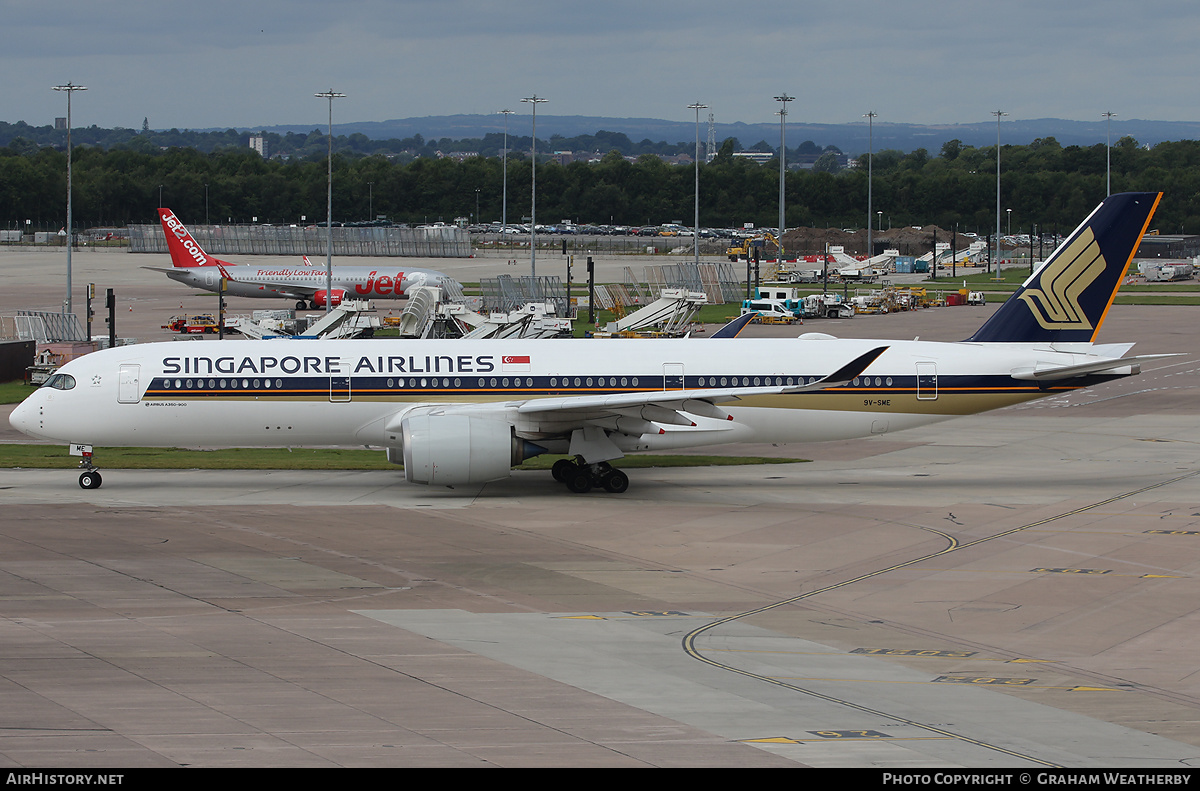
[{"x": 90, "y": 477}]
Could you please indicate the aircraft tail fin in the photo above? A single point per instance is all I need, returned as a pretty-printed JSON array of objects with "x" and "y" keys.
[
  {"x": 735, "y": 327},
  {"x": 1067, "y": 299},
  {"x": 185, "y": 251}
]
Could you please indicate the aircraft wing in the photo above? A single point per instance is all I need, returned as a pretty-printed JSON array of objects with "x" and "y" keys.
[
  {"x": 289, "y": 290},
  {"x": 590, "y": 420},
  {"x": 665, "y": 406}
]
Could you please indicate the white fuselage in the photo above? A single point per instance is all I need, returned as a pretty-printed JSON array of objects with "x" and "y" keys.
[
  {"x": 301, "y": 282},
  {"x": 354, "y": 392}
]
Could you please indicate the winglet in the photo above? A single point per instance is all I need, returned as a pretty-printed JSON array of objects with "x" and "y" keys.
[
  {"x": 852, "y": 369},
  {"x": 1067, "y": 299},
  {"x": 847, "y": 373},
  {"x": 735, "y": 327}
]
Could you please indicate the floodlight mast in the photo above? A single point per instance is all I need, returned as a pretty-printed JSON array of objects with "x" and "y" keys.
[
  {"x": 1108, "y": 152},
  {"x": 330, "y": 95},
  {"x": 870, "y": 116},
  {"x": 535, "y": 100},
  {"x": 504, "y": 169},
  {"x": 69, "y": 88},
  {"x": 784, "y": 98},
  {"x": 697, "y": 106},
  {"x": 999, "y": 114}
]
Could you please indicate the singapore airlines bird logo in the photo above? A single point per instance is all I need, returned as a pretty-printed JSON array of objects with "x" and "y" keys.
[{"x": 1056, "y": 304}]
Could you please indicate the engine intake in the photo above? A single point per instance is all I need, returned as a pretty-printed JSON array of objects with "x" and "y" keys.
[
  {"x": 334, "y": 297},
  {"x": 445, "y": 450}
]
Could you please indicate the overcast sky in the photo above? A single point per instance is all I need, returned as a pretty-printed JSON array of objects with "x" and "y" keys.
[{"x": 219, "y": 63}]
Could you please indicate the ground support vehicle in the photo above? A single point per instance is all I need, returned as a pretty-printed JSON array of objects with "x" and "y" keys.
[
  {"x": 828, "y": 306},
  {"x": 775, "y": 311},
  {"x": 201, "y": 324}
]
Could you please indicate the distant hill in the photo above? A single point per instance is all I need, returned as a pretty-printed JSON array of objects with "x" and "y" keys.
[
  {"x": 850, "y": 138},
  {"x": 425, "y": 135}
]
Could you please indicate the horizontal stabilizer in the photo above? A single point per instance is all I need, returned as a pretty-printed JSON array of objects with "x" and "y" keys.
[{"x": 1121, "y": 366}]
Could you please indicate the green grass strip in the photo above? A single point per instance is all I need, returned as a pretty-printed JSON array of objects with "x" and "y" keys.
[
  {"x": 57, "y": 457},
  {"x": 14, "y": 392}
]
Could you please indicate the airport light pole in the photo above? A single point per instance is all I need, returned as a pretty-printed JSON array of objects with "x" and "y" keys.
[
  {"x": 999, "y": 114},
  {"x": 870, "y": 116},
  {"x": 1108, "y": 152},
  {"x": 535, "y": 100},
  {"x": 504, "y": 176},
  {"x": 697, "y": 106},
  {"x": 330, "y": 95},
  {"x": 783, "y": 99},
  {"x": 69, "y": 88}
]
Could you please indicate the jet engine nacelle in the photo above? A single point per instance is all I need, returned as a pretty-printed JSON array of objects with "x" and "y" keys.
[
  {"x": 445, "y": 450},
  {"x": 334, "y": 300}
]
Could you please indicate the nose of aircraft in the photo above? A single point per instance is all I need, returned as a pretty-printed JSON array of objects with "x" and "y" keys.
[{"x": 22, "y": 417}]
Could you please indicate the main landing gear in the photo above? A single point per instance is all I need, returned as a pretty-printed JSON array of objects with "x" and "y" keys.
[
  {"x": 581, "y": 477},
  {"x": 90, "y": 477}
]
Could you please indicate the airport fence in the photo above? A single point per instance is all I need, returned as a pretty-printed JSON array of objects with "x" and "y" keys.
[
  {"x": 42, "y": 326},
  {"x": 718, "y": 281},
  {"x": 517, "y": 245},
  {"x": 434, "y": 242}
]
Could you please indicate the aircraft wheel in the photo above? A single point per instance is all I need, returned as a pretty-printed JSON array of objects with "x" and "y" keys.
[
  {"x": 562, "y": 469},
  {"x": 580, "y": 482},
  {"x": 90, "y": 480},
  {"x": 301, "y": 305},
  {"x": 616, "y": 482}
]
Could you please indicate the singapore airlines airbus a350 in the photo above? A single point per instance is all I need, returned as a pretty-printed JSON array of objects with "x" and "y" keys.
[
  {"x": 307, "y": 284},
  {"x": 464, "y": 412}
]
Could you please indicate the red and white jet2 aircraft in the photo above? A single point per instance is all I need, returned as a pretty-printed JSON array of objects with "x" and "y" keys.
[{"x": 192, "y": 266}]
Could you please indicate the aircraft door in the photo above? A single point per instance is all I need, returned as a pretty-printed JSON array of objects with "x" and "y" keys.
[
  {"x": 672, "y": 376},
  {"x": 927, "y": 384},
  {"x": 129, "y": 386},
  {"x": 210, "y": 276},
  {"x": 339, "y": 381},
  {"x": 339, "y": 387}
]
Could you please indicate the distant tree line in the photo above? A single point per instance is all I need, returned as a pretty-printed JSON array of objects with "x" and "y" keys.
[
  {"x": 1043, "y": 182},
  {"x": 315, "y": 143}
]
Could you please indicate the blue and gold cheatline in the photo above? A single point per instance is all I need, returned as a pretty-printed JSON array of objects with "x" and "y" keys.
[{"x": 1066, "y": 300}]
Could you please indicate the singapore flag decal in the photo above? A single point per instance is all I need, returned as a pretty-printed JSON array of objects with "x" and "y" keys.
[{"x": 515, "y": 363}]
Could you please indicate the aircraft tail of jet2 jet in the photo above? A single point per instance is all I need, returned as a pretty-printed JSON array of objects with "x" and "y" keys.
[{"x": 185, "y": 250}]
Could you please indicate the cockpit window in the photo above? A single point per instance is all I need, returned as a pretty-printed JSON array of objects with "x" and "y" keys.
[{"x": 60, "y": 382}]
